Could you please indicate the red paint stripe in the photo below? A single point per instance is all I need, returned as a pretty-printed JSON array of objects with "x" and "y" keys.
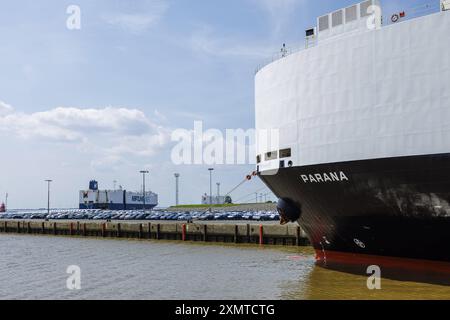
[
  {"x": 415, "y": 265},
  {"x": 183, "y": 234}
]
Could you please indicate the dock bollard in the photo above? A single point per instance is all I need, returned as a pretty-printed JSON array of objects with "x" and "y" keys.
[
  {"x": 141, "y": 230},
  {"x": 183, "y": 232},
  {"x": 158, "y": 230},
  {"x": 261, "y": 235},
  {"x": 103, "y": 230},
  {"x": 205, "y": 232},
  {"x": 149, "y": 231},
  {"x": 71, "y": 229}
]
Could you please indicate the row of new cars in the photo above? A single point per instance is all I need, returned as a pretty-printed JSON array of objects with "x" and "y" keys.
[{"x": 80, "y": 214}]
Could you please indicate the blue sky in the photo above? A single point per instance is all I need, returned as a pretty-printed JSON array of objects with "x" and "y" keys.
[{"x": 101, "y": 102}]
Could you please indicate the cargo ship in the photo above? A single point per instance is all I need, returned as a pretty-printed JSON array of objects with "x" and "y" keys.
[
  {"x": 116, "y": 199},
  {"x": 362, "y": 117}
]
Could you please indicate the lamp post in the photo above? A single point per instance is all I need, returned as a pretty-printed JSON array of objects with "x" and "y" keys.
[
  {"x": 48, "y": 195},
  {"x": 143, "y": 188},
  {"x": 218, "y": 193},
  {"x": 210, "y": 188},
  {"x": 177, "y": 176}
]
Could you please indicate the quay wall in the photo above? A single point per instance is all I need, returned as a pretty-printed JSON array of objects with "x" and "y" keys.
[{"x": 264, "y": 234}]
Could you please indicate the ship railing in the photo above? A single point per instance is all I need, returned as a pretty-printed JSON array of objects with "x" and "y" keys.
[
  {"x": 283, "y": 53},
  {"x": 410, "y": 13}
]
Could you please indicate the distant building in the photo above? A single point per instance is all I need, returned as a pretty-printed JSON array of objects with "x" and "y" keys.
[{"x": 215, "y": 199}]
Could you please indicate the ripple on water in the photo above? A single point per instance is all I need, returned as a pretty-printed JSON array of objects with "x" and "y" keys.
[{"x": 34, "y": 267}]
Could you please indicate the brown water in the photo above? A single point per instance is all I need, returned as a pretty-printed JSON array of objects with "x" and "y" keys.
[{"x": 34, "y": 267}]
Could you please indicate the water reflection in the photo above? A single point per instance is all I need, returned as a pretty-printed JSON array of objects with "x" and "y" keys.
[
  {"x": 395, "y": 274},
  {"x": 338, "y": 282}
]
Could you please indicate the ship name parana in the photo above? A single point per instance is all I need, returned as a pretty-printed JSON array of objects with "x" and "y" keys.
[{"x": 324, "y": 177}]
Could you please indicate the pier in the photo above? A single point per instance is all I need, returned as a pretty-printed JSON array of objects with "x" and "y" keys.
[{"x": 258, "y": 234}]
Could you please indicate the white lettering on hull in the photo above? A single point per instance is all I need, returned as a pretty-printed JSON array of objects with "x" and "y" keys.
[{"x": 325, "y": 177}]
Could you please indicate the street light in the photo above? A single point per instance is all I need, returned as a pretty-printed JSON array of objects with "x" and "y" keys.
[
  {"x": 210, "y": 188},
  {"x": 48, "y": 195},
  {"x": 177, "y": 176},
  {"x": 143, "y": 187}
]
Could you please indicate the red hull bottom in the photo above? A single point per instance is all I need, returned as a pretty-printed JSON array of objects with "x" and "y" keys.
[{"x": 391, "y": 267}]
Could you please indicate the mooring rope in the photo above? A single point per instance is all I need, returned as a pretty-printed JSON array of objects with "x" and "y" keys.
[{"x": 247, "y": 178}]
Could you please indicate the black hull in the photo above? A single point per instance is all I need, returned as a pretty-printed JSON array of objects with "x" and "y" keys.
[{"x": 394, "y": 208}]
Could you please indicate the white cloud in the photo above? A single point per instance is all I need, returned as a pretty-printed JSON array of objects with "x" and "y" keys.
[
  {"x": 204, "y": 40},
  {"x": 5, "y": 108},
  {"x": 105, "y": 120},
  {"x": 109, "y": 134},
  {"x": 140, "y": 21}
]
